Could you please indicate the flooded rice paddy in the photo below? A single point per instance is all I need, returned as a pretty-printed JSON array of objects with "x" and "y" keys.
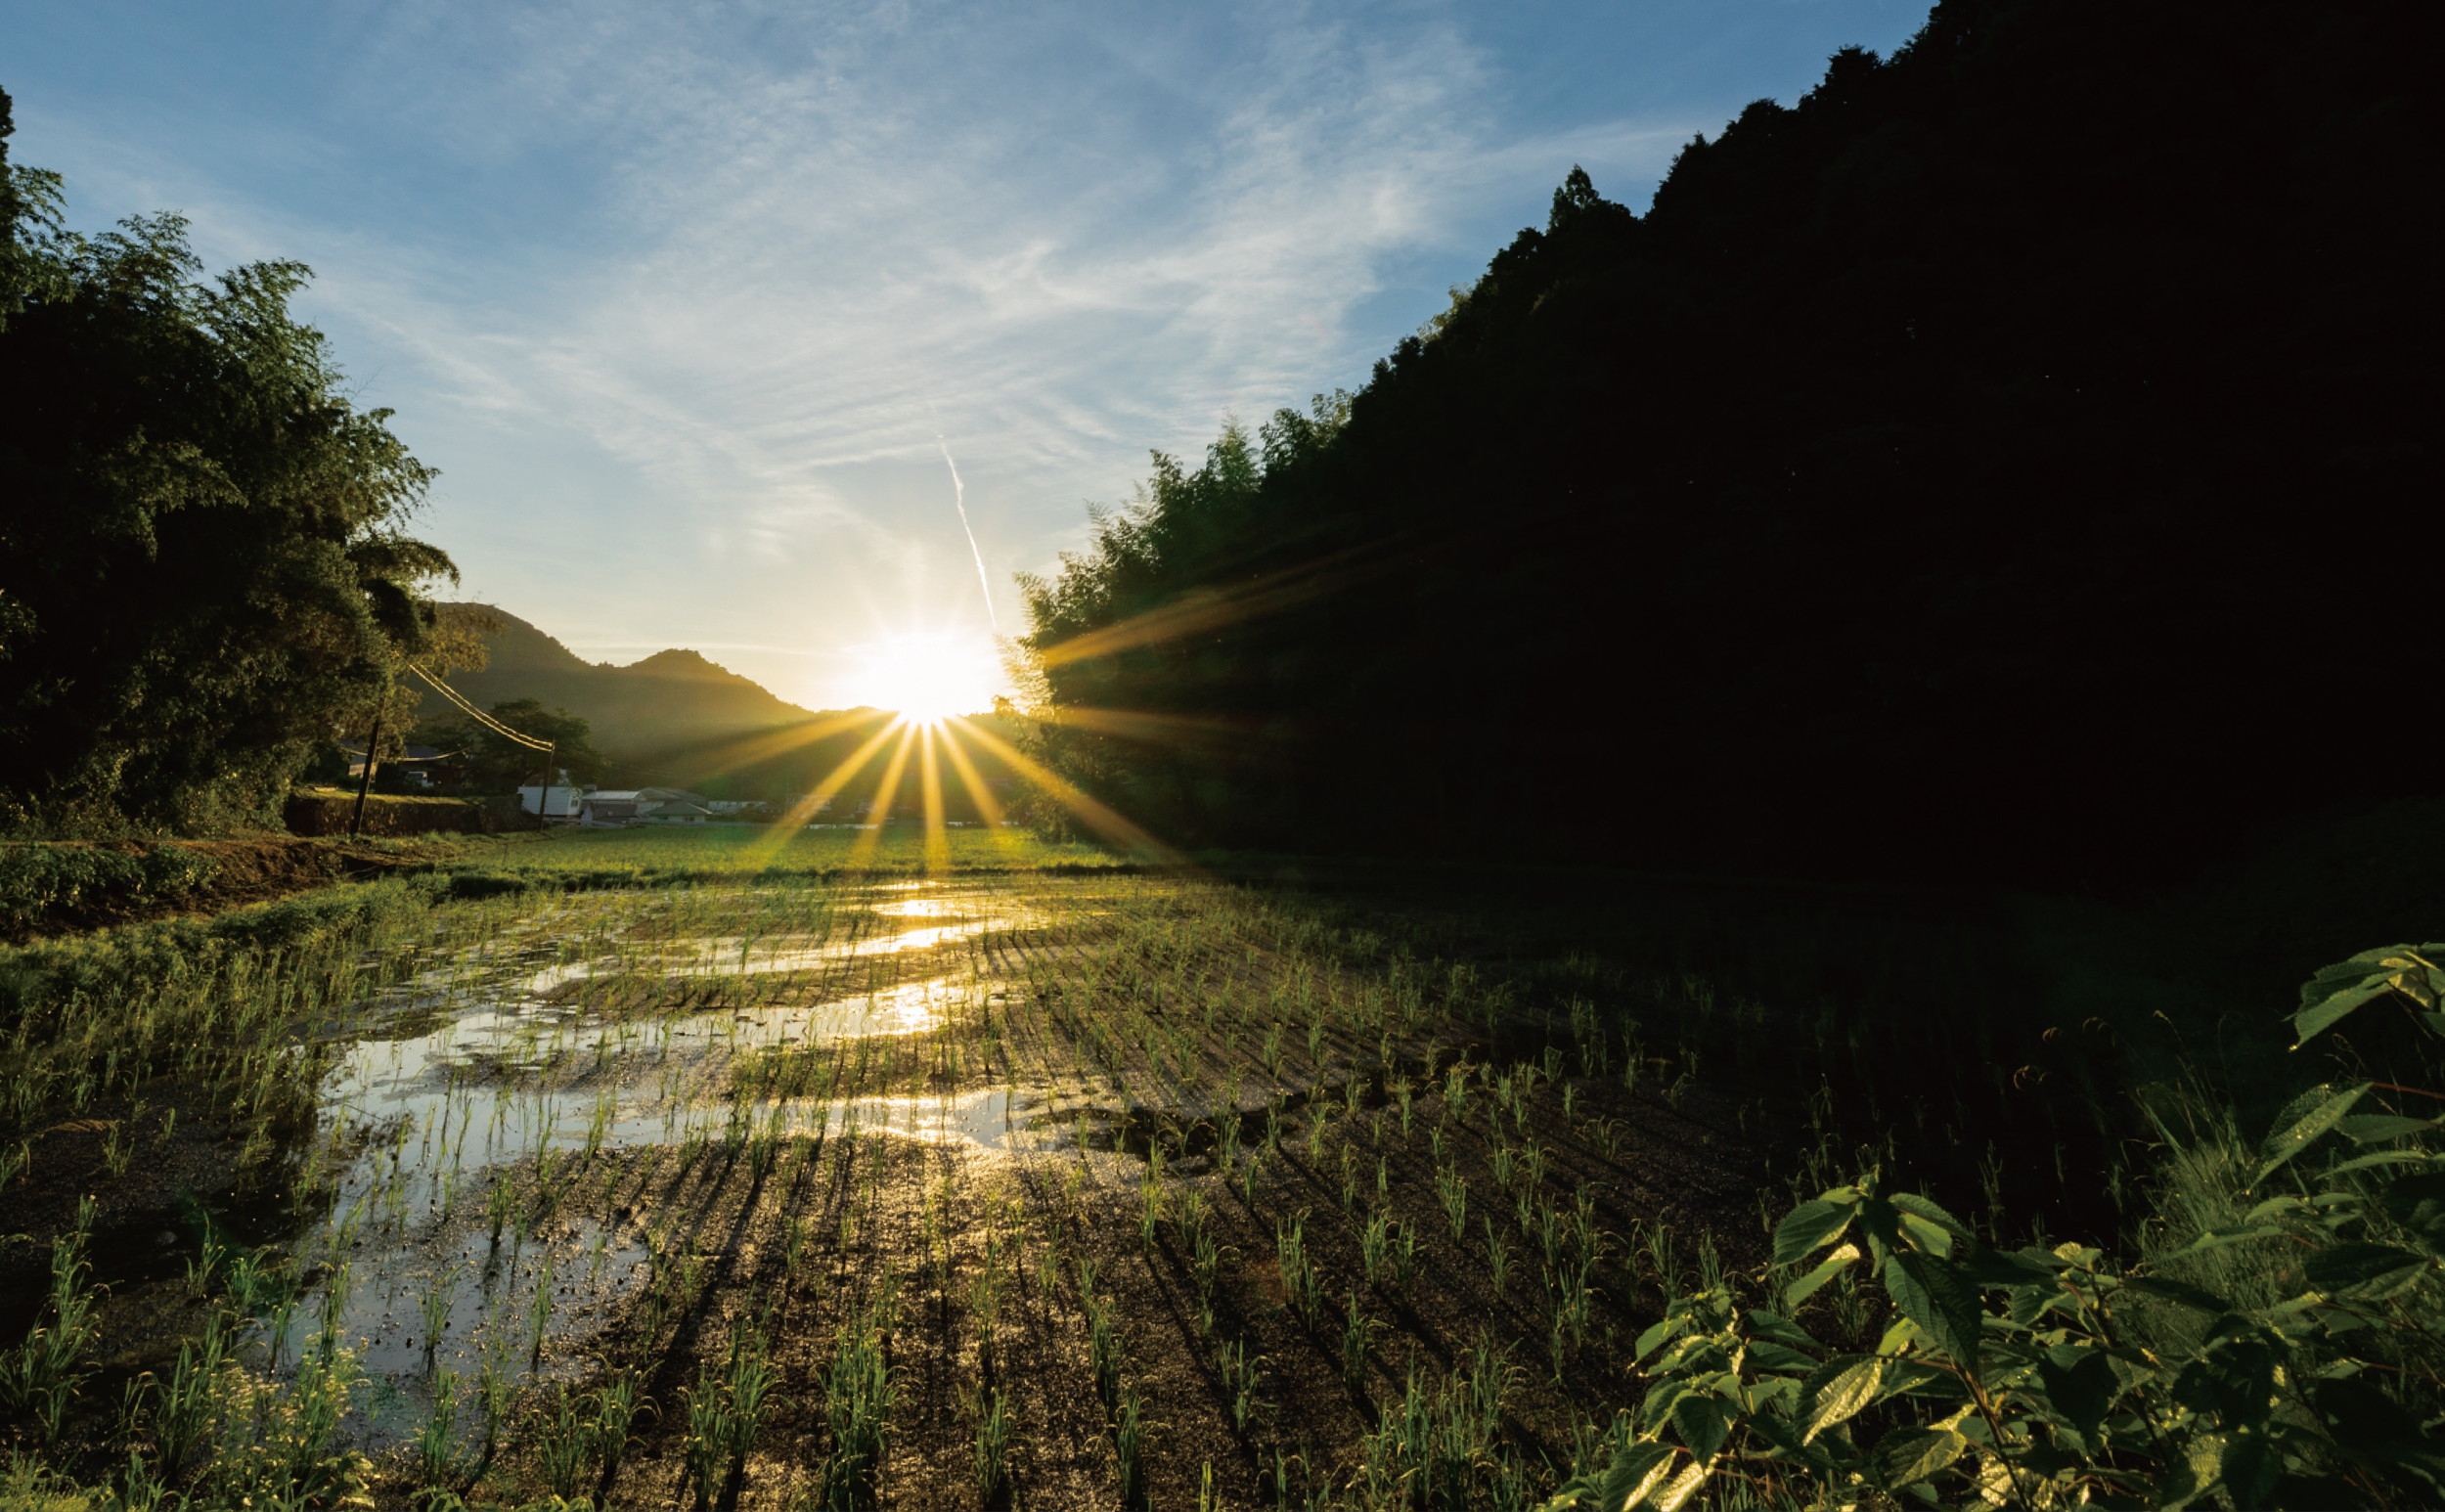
[{"x": 1016, "y": 1191}]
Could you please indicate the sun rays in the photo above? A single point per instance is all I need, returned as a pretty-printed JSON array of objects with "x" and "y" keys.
[
  {"x": 944, "y": 755},
  {"x": 922, "y": 736}
]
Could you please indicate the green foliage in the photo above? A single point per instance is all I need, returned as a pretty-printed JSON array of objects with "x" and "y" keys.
[
  {"x": 2038, "y": 1378},
  {"x": 202, "y": 569},
  {"x": 39, "y": 884}
]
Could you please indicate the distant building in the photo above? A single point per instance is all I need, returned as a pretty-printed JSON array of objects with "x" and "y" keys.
[
  {"x": 644, "y": 806},
  {"x": 557, "y": 802}
]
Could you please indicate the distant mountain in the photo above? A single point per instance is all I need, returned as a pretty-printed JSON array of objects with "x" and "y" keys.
[
  {"x": 670, "y": 699},
  {"x": 677, "y": 719}
]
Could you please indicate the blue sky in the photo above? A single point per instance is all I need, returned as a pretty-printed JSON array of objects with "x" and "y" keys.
[{"x": 684, "y": 299}]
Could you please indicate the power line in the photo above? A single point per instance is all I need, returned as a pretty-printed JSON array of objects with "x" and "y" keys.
[
  {"x": 476, "y": 714},
  {"x": 473, "y": 712}
]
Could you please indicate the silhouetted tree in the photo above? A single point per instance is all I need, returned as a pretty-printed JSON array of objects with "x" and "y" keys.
[{"x": 202, "y": 568}]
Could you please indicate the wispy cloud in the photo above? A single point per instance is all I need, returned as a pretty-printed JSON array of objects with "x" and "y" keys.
[{"x": 782, "y": 249}]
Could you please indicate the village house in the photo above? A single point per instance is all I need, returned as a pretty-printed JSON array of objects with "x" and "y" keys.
[{"x": 644, "y": 806}]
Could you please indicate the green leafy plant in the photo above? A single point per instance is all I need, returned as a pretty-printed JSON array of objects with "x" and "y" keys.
[{"x": 2040, "y": 1378}]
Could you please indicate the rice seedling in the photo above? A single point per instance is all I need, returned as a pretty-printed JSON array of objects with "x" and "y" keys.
[
  {"x": 498, "y": 1204},
  {"x": 1497, "y": 1259},
  {"x": 1129, "y": 1443},
  {"x": 40, "y": 1373},
  {"x": 1660, "y": 1266},
  {"x": 1103, "y": 1340},
  {"x": 1240, "y": 1370},
  {"x": 991, "y": 1455},
  {"x": 1453, "y": 1192},
  {"x": 182, "y": 1406},
  {"x": 1357, "y": 1340},
  {"x": 538, "y": 1314},
  {"x": 859, "y": 1393},
  {"x": 565, "y": 1444},
  {"x": 1300, "y": 1282}
]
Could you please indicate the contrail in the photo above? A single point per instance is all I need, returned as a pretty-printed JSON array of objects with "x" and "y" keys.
[{"x": 960, "y": 499}]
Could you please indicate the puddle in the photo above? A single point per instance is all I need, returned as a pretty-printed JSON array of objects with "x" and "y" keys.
[{"x": 485, "y": 1061}]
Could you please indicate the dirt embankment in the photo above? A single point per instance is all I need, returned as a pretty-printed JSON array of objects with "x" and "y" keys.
[{"x": 50, "y": 889}]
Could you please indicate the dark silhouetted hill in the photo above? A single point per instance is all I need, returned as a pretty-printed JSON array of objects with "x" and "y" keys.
[{"x": 2016, "y": 456}]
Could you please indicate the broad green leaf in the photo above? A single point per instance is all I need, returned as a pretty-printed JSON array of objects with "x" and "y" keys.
[
  {"x": 1657, "y": 1409},
  {"x": 2337, "y": 990},
  {"x": 1921, "y": 1206},
  {"x": 2081, "y": 1391},
  {"x": 2383, "y": 1158},
  {"x": 2218, "y": 1238},
  {"x": 1881, "y": 1222},
  {"x": 1848, "y": 1386},
  {"x": 1678, "y": 1491},
  {"x": 2189, "y": 1295},
  {"x": 1701, "y": 1422},
  {"x": 1900, "y": 1334},
  {"x": 2358, "y": 1269},
  {"x": 2377, "y": 1128},
  {"x": 2025, "y": 1304},
  {"x": 1934, "y": 1294},
  {"x": 1634, "y": 1472},
  {"x": 1808, "y": 1286},
  {"x": 1654, "y": 1335},
  {"x": 2303, "y": 1128},
  {"x": 1775, "y": 1325},
  {"x": 1909, "y": 1456},
  {"x": 1786, "y": 1441},
  {"x": 2309, "y": 1023},
  {"x": 1778, "y": 1392},
  {"x": 2007, "y": 1267},
  {"x": 1807, "y": 1227},
  {"x": 1910, "y": 1378},
  {"x": 1928, "y": 1238},
  {"x": 1766, "y": 1354}
]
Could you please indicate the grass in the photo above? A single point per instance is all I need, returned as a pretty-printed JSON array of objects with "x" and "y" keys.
[{"x": 1113, "y": 1188}]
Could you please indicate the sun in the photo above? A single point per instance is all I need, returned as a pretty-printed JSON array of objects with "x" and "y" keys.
[{"x": 927, "y": 678}]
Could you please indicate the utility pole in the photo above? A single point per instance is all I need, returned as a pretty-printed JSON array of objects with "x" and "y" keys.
[
  {"x": 543, "y": 794},
  {"x": 366, "y": 784}
]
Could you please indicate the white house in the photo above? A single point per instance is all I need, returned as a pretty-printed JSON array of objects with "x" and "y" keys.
[
  {"x": 643, "y": 806},
  {"x": 557, "y": 802}
]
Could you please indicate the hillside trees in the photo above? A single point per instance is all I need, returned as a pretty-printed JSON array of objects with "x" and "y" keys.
[
  {"x": 202, "y": 566},
  {"x": 493, "y": 763},
  {"x": 1979, "y": 464}
]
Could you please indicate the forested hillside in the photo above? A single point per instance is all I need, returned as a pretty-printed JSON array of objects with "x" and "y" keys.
[
  {"x": 2015, "y": 455},
  {"x": 670, "y": 698}
]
